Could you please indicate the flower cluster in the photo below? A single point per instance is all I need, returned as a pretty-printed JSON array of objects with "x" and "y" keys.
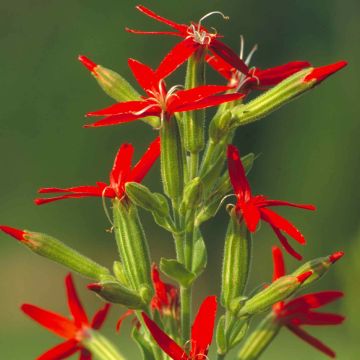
[{"x": 196, "y": 181}]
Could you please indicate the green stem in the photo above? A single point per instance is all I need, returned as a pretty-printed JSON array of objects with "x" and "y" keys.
[
  {"x": 185, "y": 301},
  {"x": 193, "y": 164},
  {"x": 101, "y": 347},
  {"x": 220, "y": 356}
]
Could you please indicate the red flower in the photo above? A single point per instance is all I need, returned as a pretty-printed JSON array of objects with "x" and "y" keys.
[
  {"x": 319, "y": 74},
  {"x": 73, "y": 330},
  {"x": 256, "y": 79},
  {"x": 196, "y": 37},
  {"x": 300, "y": 311},
  {"x": 253, "y": 208},
  {"x": 120, "y": 174},
  {"x": 201, "y": 333},
  {"x": 165, "y": 299},
  {"x": 160, "y": 102}
]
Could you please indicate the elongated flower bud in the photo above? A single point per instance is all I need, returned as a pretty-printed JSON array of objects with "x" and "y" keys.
[
  {"x": 114, "y": 292},
  {"x": 260, "y": 338},
  {"x": 115, "y": 86},
  {"x": 171, "y": 160},
  {"x": 279, "y": 290},
  {"x": 193, "y": 194},
  {"x": 284, "y": 92},
  {"x": 132, "y": 245},
  {"x": 319, "y": 267},
  {"x": 194, "y": 121},
  {"x": 53, "y": 249},
  {"x": 236, "y": 261}
]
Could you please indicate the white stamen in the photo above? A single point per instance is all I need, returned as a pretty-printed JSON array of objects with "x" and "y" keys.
[
  {"x": 105, "y": 206},
  {"x": 242, "y": 46},
  {"x": 250, "y": 55},
  {"x": 212, "y": 13}
]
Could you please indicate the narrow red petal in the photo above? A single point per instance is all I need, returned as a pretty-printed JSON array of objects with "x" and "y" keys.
[
  {"x": 121, "y": 169},
  {"x": 121, "y": 108},
  {"x": 100, "y": 316},
  {"x": 304, "y": 276},
  {"x": 141, "y": 32},
  {"x": 313, "y": 300},
  {"x": 251, "y": 214},
  {"x": 203, "y": 327},
  {"x": 223, "y": 51},
  {"x": 152, "y": 14},
  {"x": 61, "y": 351},
  {"x": 282, "y": 224},
  {"x": 318, "y": 319},
  {"x": 176, "y": 57},
  {"x": 168, "y": 345},
  {"x": 278, "y": 263},
  {"x": 122, "y": 318},
  {"x": 146, "y": 162},
  {"x": 237, "y": 173},
  {"x": 285, "y": 243},
  {"x": 15, "y": 233},
  {"x": 208, "y": 102},
  {"x": 144, "y": 75},
  {"x": 74, "y": 303},
  {"x": 159, "y": 286},
  {"x": 286, "y": 203},
  {"x": 336, "y": 256},
  {"x": 90, "y": 65},
  {"x": 56, "y": 323},
  {"x": 312, "y": 341},
  {"x": 319, "y": 74},
  {"x": 85, "y": 354},
  {"x": 221, "y": 66}
]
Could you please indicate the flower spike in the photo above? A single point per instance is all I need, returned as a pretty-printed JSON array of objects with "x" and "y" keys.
[
  {"x": 300, "y": 311},
  {"x": 252, "y": 209},
  {"x": 120, "y": 174},
  {"x": 195, "y": 37},
  {"x": 73, "y": 330}
]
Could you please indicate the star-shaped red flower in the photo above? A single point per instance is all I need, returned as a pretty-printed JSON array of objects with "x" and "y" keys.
[
  {"x": 160, "y": 101},
  {"x": 300, "y": 311},
  {"x": 201, "y": 333},
  {"x": 120, "y": 174},
  {"x": 195, "y": 37},
  {"x": 252, "y": 209},
  {"x": 73, "y": 330}
]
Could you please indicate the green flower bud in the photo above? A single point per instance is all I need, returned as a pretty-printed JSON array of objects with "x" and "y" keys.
[{"x": 193, "y": 195}]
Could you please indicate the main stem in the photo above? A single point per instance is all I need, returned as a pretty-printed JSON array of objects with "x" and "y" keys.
[{"x": 185, "y": 298}]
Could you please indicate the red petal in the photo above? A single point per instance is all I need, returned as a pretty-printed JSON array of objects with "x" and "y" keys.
[
  {"x": 312, "y": 301},
  {"x": 251, "y": 214},
  {"x": 148, "y": 12},
  {"x": 221, "y": 66},
  {"x": 56, "y": 323},
  {"x": 85, "y": 355},
  {"x": 146, "y": 162},
  {"x": 121, "y": 168},
  {"x": 74, "y": 303},
  {"x": 100, "y": 316},
  {"x": 144, "y": 75},
  {"x": 203, "y": 327},
  {"x": 168, "y": 345},
  {"x": 223, "y": 51},
  {"x": 176, "y": 57},
  {"x": 160, "y": 287},
  {"x": 237, "y": 173},
  {"x": 61, "y": 351},
  {"x": 286, "y": 203},
  {"x": 141, "y": 32},
  {"x": 90, "y": 65},
  {"x": 123, "y": 118},
  {"x": 285, "y": 243},
  {"x": 278, "y": 263},
  {"x": 333, "y": 258},
  {"x": 208, "y": 102},
  {"x": 123, "y": 317},
  {"x": 318, "y": 319},
  {"x": 321, "y": 73},
  {"x": 311, "y": 340},
  {"x": 193, "y": 95},
  {"x": 282, "y": 224},
  {"x": 15, "y": 233},
  {"x": 121, "y": 108}
]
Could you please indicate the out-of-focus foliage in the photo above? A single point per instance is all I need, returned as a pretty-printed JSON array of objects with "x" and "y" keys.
[{"x": 309, "y": 149}]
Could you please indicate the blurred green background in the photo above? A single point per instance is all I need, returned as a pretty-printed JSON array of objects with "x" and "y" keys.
[{"x": 309, "y": 149}]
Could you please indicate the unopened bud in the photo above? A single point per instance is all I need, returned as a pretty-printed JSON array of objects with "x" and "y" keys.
[
  {"x": 53, "y": 249},
  {"x": 221, "y": 125},
  {"x": 279, "y": 290},
  {"x": 193, "y": 195},
  {"x": 319, "y": 267},
  {"x": 114, "y": 292},
  {"x": 284, "y": 92}
]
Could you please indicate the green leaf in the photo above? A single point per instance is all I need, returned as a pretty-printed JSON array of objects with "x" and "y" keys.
[
  {"x": 199, "y": 254},
  {"x": 176, "y": 271}
]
